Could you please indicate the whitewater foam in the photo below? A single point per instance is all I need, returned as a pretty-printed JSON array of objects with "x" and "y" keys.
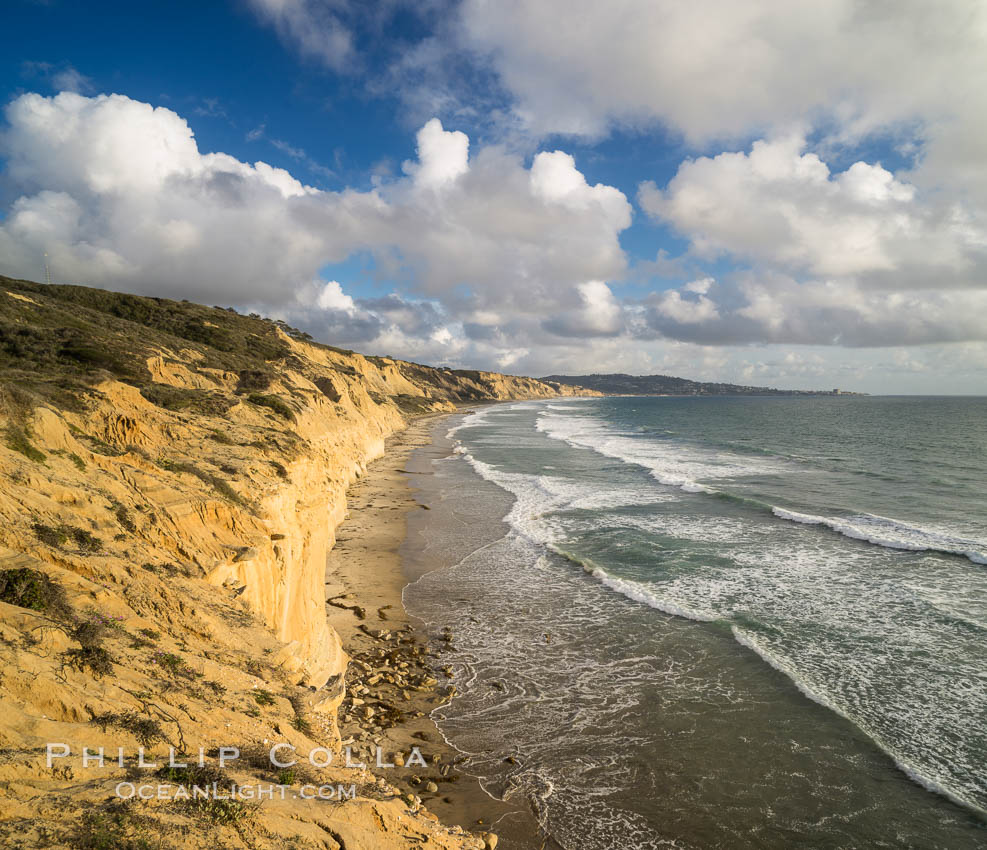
[
  {"x": 837, "y": 620},
  {"x": 684, "y": 469},
  {"x": 634, "y": 590},
  {"x": 469, "y": 420},
  {"x": 890, "y": 533},
  {"x": 646, "y": 595},
  {"x": 689, "y": 467},
  {"x": 917, "y": 775}
]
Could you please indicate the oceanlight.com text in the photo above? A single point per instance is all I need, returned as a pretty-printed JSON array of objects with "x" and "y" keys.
[{"x": 217, "y": 791}]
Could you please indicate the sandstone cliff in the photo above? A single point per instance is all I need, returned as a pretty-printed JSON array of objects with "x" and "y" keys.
[{"x": 170, "y": 478}]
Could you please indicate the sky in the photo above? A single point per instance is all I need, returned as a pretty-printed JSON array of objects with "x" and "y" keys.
[{"x": 791, "y": 194}]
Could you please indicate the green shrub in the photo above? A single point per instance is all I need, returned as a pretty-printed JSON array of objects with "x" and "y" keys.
[
  {"x": 100, "y": 447},
  {"x": 125, "y": 519},
  {"x": 91, "y": 357},
  {"x": 204, "y": 402},
  {"x": 146, "y": 730},
  {"x": 253, "y": 380},
  {"x": 413, "y": 404},
  {"x": 17, "y": 440},
  {"x": 223, "y": 330},
  {"x": 170, "y": 569},
  {"x": 272, "y": 402},
  {"x": 174, "y": 664},
  {"x": 80, "y": 464},
  {"x": 32, "y": 589},
  {"x": 114, "y": 827},
  {"x": 57, "y": 345},
  {"x": 84, "y": 539},
  {"x": 59, "y": 536},
  {"x": 214, "y": 481},
  {"x": 89, "y": 633},
  {"x": 263, "y": 697},
  {"x": 145, "y": 638},
  {"x": 226, "y": 491},
  {"x": 50, "y": 536},
  {"x": 192, "y": 775},
  {"x": 93, "y": 658},
  {"x": 253, "y": 667},
  {"x": 222, "y": 811}
]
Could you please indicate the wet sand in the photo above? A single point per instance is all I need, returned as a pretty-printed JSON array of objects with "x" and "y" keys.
[{"x": 396, "y": 678}]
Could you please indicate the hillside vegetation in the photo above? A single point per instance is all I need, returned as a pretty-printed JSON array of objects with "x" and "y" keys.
[{"x": 54, "y": 340}]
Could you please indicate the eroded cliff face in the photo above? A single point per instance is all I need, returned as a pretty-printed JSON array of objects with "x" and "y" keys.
[{"x": 181, "y": 500}]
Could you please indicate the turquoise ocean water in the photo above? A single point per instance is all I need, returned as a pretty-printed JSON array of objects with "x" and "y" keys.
[{"x": 720, "y": 622}]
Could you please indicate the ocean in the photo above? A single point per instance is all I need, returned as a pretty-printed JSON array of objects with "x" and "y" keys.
[{"x": 737, "y": 622}]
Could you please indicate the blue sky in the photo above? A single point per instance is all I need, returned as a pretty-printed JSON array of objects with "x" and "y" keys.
[
  {"x": 226, "y": 73},
  {"x": 245, "y": 93},
  {"x": 724, "y": 191}
]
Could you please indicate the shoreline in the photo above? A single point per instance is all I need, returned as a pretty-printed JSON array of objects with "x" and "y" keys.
[
  {"x": 894, "y": 791},
  {"x": 395, "y": 679}
]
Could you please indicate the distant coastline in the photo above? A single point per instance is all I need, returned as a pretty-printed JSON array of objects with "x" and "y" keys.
[{"x": 667, "y": 385}]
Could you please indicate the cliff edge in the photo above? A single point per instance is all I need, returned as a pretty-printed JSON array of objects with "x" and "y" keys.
[{"x": 171, "y": 478}]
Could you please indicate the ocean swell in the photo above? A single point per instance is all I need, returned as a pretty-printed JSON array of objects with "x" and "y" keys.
[
  {"x": 937, "y": 786},
  {"x": 688, "y": 469},
  {"x": 890, "y": 533}
]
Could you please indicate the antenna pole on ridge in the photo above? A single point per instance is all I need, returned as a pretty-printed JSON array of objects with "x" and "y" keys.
[{"x": 47, "y": 270}]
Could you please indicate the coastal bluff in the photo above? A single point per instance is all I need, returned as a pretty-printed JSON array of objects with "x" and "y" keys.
[{"x": 171, "y": 476}]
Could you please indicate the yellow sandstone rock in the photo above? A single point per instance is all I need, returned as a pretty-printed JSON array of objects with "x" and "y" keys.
[{"x": 182, "y": 506}]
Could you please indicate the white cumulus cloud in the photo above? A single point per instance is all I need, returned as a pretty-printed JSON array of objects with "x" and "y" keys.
[
  {"x": 597, "y": 313},
  {"x": 717, "y": 68},
  {"x": 859, "y": 258},
  {"x": 118, "y": 194},
  {"x": 332, "y": 297},
  {"x": 686, "y": 310},
  {"x": 442, "y": 156},
  {"x": 780, "y": 204}
]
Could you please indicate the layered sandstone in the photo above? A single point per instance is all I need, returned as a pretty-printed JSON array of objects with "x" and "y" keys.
[{"x": 182, "y": 492}]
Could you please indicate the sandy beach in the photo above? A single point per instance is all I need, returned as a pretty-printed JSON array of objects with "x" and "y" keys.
[{"x": 396, "y": 678}]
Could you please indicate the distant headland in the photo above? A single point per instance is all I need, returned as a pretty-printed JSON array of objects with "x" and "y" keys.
[{"x": 619, "y": 384}]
